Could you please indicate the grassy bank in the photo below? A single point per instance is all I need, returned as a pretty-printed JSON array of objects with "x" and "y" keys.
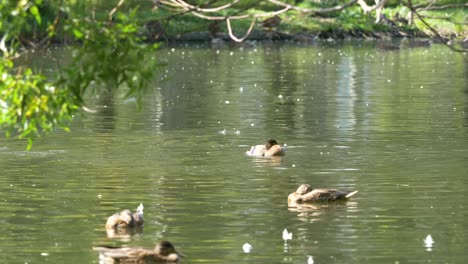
[{"x": 350, "y": 22}]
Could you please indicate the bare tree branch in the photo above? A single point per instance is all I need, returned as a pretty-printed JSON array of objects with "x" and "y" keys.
[
  {"x": 442, "y": 7},
  {"x": 308, "y": 10},
  {"x": 112, "y": 12},
  {"x": 378, "y": 7},
  {"x": 434, "y": 31},
  {"x": 205, "y": 10},
  {"x": 202, "y": 10},
  {"x": 231, "y": 35},
  {"x": 366, "y": 8}
]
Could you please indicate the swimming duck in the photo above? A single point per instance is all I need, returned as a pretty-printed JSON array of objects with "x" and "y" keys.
[
  {"x": 273, "y": 149},
  {"x": 126, "y": 219},
  {"x": 163, "y": 252},
  {"x": 269, "y": 149},
  {"x": 305, "y": 194}
]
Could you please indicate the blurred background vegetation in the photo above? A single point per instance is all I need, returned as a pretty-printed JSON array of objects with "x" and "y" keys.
[{"x": 450, "y": 21}]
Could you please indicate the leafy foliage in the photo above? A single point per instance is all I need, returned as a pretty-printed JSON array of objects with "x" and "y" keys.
[
  {"x": 110, "y": 54},
  {"x": 107, "y": 54},
  {"x": 30, "y": 105}
]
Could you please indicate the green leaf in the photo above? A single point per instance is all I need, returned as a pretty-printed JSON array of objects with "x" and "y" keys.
[
  {"x": 35, "y": 12},
  {"x": 77, "y": 33}
]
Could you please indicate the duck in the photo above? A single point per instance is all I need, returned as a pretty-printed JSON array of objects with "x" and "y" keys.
[
  {"x": 125, "y": 219},
  {"x": 163, "y": 252},
  {"x": 271, "y": 22},
  {"x": 305, "y": 194},
  {"x": 271, "y": 148}
]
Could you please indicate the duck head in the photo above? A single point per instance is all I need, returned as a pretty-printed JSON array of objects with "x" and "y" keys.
[
  {"x": 270, "y": 143},
  {"x": 303, "y": 189},
  {"x": 164, "y": 248}
]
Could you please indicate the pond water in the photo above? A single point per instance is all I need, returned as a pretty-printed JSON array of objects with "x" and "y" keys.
[{"x": 391, "y": 124}]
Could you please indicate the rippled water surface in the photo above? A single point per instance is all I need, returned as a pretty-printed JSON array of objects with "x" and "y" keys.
[{"x": 391, "y": 124}]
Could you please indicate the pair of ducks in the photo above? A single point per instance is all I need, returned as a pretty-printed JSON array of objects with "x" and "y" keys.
[
  {"x": 163, "y": 252},
  {"x": 304, "y": 194}
]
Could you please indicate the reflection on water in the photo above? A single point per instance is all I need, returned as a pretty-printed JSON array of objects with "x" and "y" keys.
[
  {"x": 389, "y": 124},
  {"x": 123, "y": 234}
]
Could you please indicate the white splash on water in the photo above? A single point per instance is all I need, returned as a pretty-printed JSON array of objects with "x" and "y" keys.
[
  {"x": 247, "y": 248},
  {"x": 428, "y": 242},
  {"x": 287, "y": 235}
]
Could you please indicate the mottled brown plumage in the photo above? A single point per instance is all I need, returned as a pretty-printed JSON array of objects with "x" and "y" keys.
[
  {"x": 126, "y": 219},
  {"x": 269, "y": 149},
  {"x": 273, "y": 149},
  {"x": 164, "y": 252},
  {"x": 305, "y": 194},
  {"x": 271, "y": 22}
]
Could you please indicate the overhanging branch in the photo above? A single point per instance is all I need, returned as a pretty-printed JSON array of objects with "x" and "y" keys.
[{"x": 433, "y": 30}]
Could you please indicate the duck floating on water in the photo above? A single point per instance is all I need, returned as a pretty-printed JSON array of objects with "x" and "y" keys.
[
  {"x": 164, "y": 252},
  {"x": 271, "y": 148},
  {"x": 125, "y": 219},
  {"x": 305, "y": 194}
]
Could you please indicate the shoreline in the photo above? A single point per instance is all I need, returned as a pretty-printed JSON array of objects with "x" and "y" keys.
[{"x": 416, "y": 38}]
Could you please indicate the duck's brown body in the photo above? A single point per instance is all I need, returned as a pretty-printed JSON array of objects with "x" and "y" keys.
[
  {"x": 269, "y": 149},
  {"x": 164, "y": 252},
  {"x": 274, "y": 151},
  {"x": 125, "y": 219},
  {"x": 271, "y": 22},
  {"x": 305, "y": 194}
]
